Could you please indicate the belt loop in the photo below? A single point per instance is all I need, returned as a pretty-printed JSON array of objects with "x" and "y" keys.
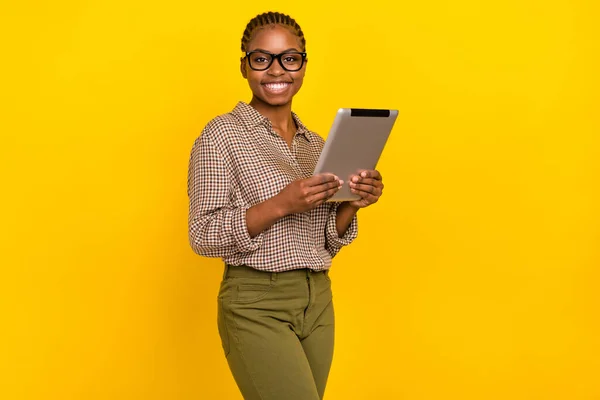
[
  {"x": 273, "y": 277},
  {"x": 225, "y": 270}
]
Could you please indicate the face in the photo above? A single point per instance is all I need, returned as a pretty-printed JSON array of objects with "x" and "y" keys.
[{"x": 274, "y": 86}]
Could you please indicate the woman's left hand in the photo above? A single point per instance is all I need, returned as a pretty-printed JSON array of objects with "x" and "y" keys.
[{"x": 368, "y": 185}]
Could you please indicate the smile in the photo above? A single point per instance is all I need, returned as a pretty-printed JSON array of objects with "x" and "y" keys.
[{"x": 277, "y": 87}]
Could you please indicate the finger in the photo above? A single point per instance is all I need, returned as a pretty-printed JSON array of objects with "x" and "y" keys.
[
  {"x": 321, "y": 197},
  {"x": 333, "y": 185},
  {"x": 366, "y": 196},
  {"x": 321, "y": 179},
  {"x": 367, "y": 192},
  {"x": 368, "y": 181},
  {"x": 359, "y": 178},
  {"x": 372, "y": 189},
  {"x": 371, "y": 174}
]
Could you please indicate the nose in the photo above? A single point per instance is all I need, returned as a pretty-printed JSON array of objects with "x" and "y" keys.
[{"x": 276, "y": 69}]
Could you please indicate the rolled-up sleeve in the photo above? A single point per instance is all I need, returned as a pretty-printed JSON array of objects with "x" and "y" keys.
[
  {"x": 334, "y": 243},
  {"x": 216, "y": 226}
]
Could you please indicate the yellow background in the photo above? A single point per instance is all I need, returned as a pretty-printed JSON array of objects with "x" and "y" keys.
[{"x": 475, "y": 277}]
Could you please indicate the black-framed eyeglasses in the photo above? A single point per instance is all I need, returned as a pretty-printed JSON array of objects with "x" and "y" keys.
[{"x": 262, "y": 60}]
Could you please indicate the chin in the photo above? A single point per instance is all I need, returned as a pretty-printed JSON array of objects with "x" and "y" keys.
[
  {"x": 279, "y": 103},
  {"x": 275, "y": 102}
]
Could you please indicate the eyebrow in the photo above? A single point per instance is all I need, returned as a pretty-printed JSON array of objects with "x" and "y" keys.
[{"x": 285, "y": 51}]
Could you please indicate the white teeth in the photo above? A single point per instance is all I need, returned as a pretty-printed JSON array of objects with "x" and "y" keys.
[{"x": 277, "y": 87}]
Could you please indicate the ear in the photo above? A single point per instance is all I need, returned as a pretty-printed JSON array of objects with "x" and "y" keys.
[{"x": 243, "y": 68}]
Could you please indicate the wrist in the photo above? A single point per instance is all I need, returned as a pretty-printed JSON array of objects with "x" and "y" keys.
[
  {"x": 276, "y": 207},
  {"x": 348, "y": 205}
]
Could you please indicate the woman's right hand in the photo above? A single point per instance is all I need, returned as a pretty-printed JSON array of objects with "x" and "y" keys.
[{"x": 305, "y": 194}]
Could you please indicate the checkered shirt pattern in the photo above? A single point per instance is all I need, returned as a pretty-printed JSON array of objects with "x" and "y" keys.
[{"x": 239, "y": 161}]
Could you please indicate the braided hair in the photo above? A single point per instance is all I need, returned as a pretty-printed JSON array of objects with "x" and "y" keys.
[{"x": 272, "y": 18}]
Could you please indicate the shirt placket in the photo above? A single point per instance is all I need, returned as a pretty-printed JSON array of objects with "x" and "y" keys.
[
  {"x": 290, "y": 154},
  {"x": 308, "y": 215},
  {"x": 294, "y": 153}
]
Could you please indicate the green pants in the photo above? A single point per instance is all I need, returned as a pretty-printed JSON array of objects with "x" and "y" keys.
[{"x": 277, "y": 331}]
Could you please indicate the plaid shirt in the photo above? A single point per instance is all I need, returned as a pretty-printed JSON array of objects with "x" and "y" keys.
[{"x": 239, "y": 161}]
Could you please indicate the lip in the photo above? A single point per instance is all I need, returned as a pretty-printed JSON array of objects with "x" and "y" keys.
[
  {"x": 285, "y": 86},
  {"x": 274, "y": 82}
]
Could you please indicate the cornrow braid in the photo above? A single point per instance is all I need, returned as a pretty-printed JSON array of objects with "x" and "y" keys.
[{"x": 272, "y": 18}]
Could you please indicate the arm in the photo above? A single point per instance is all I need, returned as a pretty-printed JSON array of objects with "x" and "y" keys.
[
  {"x": 216, "y": 227},
  {"x": 262, "y": 216},
  {"x": 344, "y": 215},
  {"x": 341, "y": 227},
  {"x": 299, "y": 196}
]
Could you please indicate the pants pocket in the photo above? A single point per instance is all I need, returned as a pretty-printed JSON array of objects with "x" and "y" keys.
[{"x": 251, "y": 292}]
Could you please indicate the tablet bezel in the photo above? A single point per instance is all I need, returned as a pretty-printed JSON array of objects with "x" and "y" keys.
[{"x": 350, "y": 125}]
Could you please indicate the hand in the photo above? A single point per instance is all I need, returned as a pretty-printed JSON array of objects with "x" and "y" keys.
[
  {"x": 305, "y": 194},
  {"x": 368, "y": 185}
]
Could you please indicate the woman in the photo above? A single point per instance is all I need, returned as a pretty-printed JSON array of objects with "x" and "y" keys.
[{"x": 255, "y": 204}]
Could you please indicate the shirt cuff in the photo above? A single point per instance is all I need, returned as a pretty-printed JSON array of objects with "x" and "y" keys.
[
  {"x": 335, "y": 241},
  {"x": 242, "y": 238}
]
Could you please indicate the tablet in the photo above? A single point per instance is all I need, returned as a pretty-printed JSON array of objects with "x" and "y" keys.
[{"x": 355, "y": 143}]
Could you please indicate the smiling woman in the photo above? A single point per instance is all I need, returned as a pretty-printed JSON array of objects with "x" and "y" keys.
[
  {"x": 255, "y": 203},
  {"x": 274, "y": 83}
]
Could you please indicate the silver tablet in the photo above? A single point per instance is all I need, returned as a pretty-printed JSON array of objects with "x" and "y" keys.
[{"x": 355, "y": 143}]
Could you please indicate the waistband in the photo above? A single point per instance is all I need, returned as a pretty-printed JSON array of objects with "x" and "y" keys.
[{"x": 243, "y": 271}]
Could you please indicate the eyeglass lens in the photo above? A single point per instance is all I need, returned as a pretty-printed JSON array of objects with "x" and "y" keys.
[{"x": 262, "y": 61}]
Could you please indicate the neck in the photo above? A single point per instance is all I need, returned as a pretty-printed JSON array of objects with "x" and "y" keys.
[{"x": 280, "y": 116}]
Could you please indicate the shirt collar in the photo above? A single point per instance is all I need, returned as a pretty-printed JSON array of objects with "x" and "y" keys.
[{"x": 252, "y": 118}]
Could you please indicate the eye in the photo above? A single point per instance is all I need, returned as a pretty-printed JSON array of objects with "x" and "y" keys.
[
  {"x": 260, "y": 58},
  {"x": 289, "y": 58}
]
